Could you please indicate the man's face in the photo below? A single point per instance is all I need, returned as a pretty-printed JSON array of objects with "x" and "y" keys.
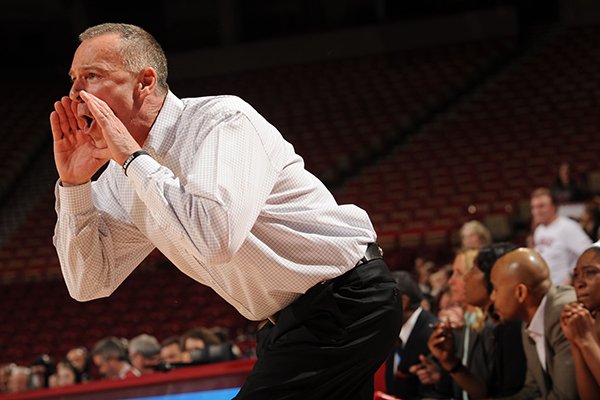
[
  {"x": 503, "y": 295},
  {"x": 77, "y": 358},
  {"x": 98, "y": 69},
  {"x": 138, "y": 361},
  {"x": 192, "y": 343},
  {"x": 586, "y": 280},
  {"x": 171, "y": 353},
  {"x": 542, "y": 210},
  {"x": 105, "y": 366}
]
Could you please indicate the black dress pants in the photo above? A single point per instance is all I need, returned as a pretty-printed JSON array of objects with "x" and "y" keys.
[{"x": 329, "y": 342}]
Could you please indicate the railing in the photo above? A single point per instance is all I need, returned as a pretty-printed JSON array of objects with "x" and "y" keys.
[{"x": 194, "y": 379}]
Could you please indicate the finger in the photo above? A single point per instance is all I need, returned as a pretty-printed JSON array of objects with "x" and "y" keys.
[
  {"x": 62, "y": 118},
  {"x": 57, "y": 133},
  {"x": 99, "y": 109},
  {"x": 67, "y": 104},
  {"x": 80, "y": 120}
]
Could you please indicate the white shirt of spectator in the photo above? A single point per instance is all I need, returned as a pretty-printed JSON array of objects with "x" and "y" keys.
[
  {"x": 225, "y": 198},
  {"x": 561, "y": 243}
]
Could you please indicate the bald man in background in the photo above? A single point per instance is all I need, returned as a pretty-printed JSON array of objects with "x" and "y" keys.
[{"x": 524, "y": 291}]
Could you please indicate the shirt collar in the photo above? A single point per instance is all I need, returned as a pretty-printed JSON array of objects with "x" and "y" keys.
[
  {"x": 409, "y": 325},
  {"x": 536, "y": 326}
]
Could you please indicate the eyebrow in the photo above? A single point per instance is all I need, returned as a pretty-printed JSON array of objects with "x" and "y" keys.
[{"x": 88, "y": 68}]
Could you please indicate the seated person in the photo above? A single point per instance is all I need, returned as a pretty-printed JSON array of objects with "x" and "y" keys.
[
  {"x": 523, "y": 291},
  {"x": 66, "y": 374},
  {"x": 581, "y": 326},
  {"x": 144, "y": 353},
  {"x": 485, "y": 359},
  {"x": 110, "y": 357},
  {"x": 416, "y": 328}
]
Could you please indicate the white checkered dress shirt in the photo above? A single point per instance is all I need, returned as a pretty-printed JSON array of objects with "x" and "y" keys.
[{"x": 225, "y": 198}]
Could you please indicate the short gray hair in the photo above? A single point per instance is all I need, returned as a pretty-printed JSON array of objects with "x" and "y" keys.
[
  {"x": 145, "y": 345},
  {"x": 139, "y": 49}
]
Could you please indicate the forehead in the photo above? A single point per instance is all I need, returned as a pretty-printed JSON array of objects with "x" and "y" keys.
[
  {"x": 541, "y": 199},
  {"x": 98, "y": 52},
  {"x": 589, "y": 258},
  {"x": 499, "y": 272}
]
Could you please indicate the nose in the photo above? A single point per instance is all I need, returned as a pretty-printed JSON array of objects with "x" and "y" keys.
[
  {"x": 493, "y": 296},
  {"x": 76, "y": 87},
  {"x": 578, "y": 283}
]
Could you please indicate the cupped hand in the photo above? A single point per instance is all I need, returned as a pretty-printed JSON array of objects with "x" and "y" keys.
[
  {"x": 76, "y": 156},
  {"x": 118, "y": 139}
]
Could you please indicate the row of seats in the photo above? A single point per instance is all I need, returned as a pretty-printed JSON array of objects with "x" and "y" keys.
[
  {"x": 40, "y": 317},
  {"x": 482, "y": 158}
]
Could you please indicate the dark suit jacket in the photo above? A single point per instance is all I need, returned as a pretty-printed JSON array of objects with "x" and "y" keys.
[
  {"x": 558, "y": 381},
  {"x": 495, "y": 357},
  {"x": 402, "y": 383}
]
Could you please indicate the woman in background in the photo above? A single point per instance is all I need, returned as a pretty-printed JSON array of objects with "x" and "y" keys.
[{"x": 581, "y": 325}]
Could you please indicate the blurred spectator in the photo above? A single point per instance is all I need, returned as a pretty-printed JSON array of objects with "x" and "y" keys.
[
  {"x": 590, "y": 221},
  {"x": 566, "y": 187},
  {"x": 5, "y": 371},
  {"x": 416, "y": 328},
  {"x": 438, "y": 280},
  {"x": 447, "y": 309},
  {"x": 79, "y": 357},
  {"x": 560, "y": 240},
  {"x": 197, "y": 339},
  {"x": 170, "y": 351},
  {"x": 473, "y": 235},
  {"x": 581, "y": 325},
  {"x": 110, "y": 356},
  {"x": 18, "y": 381},
  {"x": 221, "y": 333},
  {"x": 67, "y": 374},
  {"x": 423, "y": 270},
  {"x": 144, "y": 353},
  {"x": 454, "y": 311},
  {"x": 40, "y": 371}
]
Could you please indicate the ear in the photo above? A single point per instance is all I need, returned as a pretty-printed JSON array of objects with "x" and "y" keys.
[
  {"x": 521, "y": 292},
  {"x": 405, "y": 302},
  {"x": 147, "y": 82}
]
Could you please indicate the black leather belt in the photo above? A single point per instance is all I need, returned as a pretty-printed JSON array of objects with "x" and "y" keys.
[{"x": 374, "y": 252}]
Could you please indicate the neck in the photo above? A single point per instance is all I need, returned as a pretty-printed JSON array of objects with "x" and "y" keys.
[
  {"x": 144, "y": 117},
  {"x": 532, "y": 307},
  {"x": 552, "y": 219}
]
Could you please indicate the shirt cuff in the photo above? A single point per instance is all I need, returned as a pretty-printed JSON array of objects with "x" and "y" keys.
[
  {"x": 140, "y": 168},
  {"x": 75, "y": 199}
]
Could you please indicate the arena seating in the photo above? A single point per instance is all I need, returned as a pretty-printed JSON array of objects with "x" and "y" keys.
[
  {"x": 483, "y": 156},
  {"x": 40, "y": 317},
  {"x": 475, "y": 159}
]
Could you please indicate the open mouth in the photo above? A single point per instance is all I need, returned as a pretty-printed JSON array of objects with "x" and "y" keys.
[
  {"x": 88, "y": 120},
  {"x": 89, "y": 124}
]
